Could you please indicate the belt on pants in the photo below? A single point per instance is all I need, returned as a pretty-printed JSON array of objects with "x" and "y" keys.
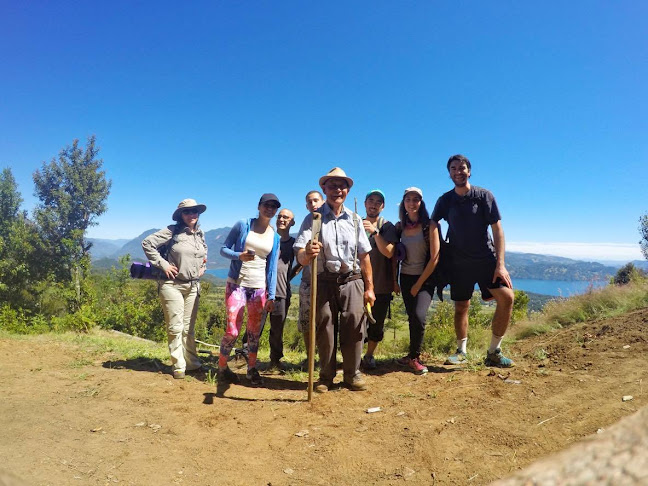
[{"x": 339, "y": 278}]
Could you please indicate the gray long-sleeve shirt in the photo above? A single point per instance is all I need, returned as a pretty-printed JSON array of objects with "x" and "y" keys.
[{"x": 188, "y": 253}]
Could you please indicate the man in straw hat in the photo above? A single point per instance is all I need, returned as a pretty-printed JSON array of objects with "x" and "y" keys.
[{"x": 344, "y": 281}]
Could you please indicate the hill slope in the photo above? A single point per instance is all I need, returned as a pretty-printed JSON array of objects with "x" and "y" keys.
[{"x": 87, "y": 415}]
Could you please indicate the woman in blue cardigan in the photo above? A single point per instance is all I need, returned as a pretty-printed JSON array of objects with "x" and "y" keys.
[{"x": 253, "y": 247}]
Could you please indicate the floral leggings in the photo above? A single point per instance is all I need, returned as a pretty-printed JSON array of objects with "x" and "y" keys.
[{"x": 236, "y": 298}]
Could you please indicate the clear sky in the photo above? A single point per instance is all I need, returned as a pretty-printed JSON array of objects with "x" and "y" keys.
[{"x": 224, "y": 100}]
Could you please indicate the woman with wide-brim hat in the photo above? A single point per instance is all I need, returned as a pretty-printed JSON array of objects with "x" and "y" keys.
[
  {"x": 253, "y": 248},
  {"x": 185, "y": 263}
]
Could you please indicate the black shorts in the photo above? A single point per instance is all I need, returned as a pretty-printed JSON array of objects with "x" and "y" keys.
[{"x": 466, "y": 274}]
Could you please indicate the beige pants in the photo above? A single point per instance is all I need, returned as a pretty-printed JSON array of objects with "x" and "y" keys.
[{"x": 180, "y": 305}]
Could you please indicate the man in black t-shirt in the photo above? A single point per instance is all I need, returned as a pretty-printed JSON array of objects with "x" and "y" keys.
[
  {"x": 383, "y": 238},
  {"x": 476, "y": 258}
]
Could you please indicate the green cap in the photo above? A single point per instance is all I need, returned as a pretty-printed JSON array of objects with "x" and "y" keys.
[{"x": 376, "y": 191}]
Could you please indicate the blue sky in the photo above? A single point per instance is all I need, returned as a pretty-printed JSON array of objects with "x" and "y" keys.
[{"x": 222, "y": 101}]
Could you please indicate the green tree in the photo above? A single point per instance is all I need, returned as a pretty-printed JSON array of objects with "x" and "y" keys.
[
  {"x": 10, "y": 201},
  {"x": 72, "y": 192},
  {"x": 643, "y": 231},
  {"x": 20, "y": 246},
  {"x": 626, "y": 274}
]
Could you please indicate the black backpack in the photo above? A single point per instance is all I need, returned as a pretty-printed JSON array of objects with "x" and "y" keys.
[{"x": 148, "y": 271}]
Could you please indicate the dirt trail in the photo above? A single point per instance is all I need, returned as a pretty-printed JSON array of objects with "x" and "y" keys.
[{"x": 69, "y": 421}]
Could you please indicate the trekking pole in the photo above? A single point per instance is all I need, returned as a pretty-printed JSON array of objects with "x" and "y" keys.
[
  {"x": 355, "y": 228},
  {"x": 315, "y": 231}
]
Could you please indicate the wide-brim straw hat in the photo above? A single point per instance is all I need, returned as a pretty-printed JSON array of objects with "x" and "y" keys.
[
  {"x": 336, "y": 173},
  {"x": 187, "y": 204}
]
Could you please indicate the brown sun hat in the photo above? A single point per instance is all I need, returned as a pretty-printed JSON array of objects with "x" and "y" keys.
[
  {"x": 187, "y": 204},
  {"x": 335, "y": 173}
]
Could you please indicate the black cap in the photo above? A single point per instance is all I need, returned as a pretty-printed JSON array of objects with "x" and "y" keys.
[{"x": 267, "y": 197}]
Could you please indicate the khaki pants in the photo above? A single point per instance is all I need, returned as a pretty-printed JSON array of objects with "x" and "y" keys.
[{"x": 180, "y": 305}]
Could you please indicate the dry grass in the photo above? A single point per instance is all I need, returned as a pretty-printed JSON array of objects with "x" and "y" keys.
[{"x": 608, "y": 301}]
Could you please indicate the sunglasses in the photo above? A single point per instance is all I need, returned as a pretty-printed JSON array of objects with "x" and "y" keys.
[{"x": 190, "y": 211}]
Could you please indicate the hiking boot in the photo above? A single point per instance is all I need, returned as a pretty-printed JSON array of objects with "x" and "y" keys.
[
  {"x": 178, "y": 374},
  {"x": 276, "y": 366},
  {"x": 200, "y": 369},
  {"x": 455, "y": 359},
  {"x": 226, "y": 375},
  {"x": 323, "y": 386},
  {"x": 404, "y": 361},
  {"x": 357, "y": 383},
  {"x": 254, "y": 377},
  {"x": 496, "y": 358},
  {"x": 416, "y": 367},
  {"x": 368, "y": 362}
]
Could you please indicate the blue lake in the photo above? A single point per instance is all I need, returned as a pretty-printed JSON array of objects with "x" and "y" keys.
[
  {"x": 219, "y": 272},
  {"x": 548, "y": 287},
  {"x": 556, "y": 287}
]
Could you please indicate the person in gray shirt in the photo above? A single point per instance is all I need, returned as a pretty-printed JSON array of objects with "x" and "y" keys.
[
  {"x": 285, "y": 221},
  {"x": 185, "y": 263}
]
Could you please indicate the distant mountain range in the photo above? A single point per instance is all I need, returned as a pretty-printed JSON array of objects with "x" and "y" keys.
[
  {"x": 520, "y": 265},
  {"x": 105, "y": 252}
]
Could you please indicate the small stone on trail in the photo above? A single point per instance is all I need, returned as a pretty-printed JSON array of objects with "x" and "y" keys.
[
  {"x": 155, "y": 427},
  {"x": 408, "y": 471},
  {"x": 626, "y": 346},
  {"x": 512, "y": 382},
  {"x": 96, "y": 430},
  {"x": 373, "y": 409},
  {"x": 600, "y": 431},
  {"x": 140, "y": 424},
  {"x": 627, "y": 398},
  {"x": 288, "y": 471},
  {"x": 400, "y": 414},
  {"x": 302, "y": 433}
]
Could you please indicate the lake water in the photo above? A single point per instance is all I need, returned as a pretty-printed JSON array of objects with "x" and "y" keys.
[
  {"x": 547, "y": 287},
  {"x": 556, "y": 287},
  {"x": 219, "y": 272}
]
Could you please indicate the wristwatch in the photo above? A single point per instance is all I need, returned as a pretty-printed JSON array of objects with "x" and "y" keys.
[{"x": 374, "y": 233}]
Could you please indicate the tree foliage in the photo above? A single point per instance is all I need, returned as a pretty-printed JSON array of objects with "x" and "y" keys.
[
  {"x": 10, "y": 201},
  {"x": 626, "y": 274},
  {"x": 72, "y": 191},
  {"x": 643, "y": 231},
  {"x": 20, "y": 245}
]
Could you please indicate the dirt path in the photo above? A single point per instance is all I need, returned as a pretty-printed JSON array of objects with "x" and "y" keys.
[{"x": 67, "y": 420}]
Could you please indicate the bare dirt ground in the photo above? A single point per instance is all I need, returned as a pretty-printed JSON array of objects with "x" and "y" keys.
[{"x": 67, "y": 420}]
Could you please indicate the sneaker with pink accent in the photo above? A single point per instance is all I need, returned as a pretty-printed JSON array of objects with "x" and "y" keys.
[{"x": 416, "y": 367}]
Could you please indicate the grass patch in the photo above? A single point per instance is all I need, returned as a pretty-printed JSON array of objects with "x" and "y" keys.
[
  {"x": 609, "y": 301},
  {"x": 98, "y": 343}
]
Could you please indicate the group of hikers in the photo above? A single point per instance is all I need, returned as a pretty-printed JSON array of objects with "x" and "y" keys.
[{"x": 361, "y": 263}]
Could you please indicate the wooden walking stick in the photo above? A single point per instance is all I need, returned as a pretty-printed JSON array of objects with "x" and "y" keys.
[{"x": 315, "y": 231}]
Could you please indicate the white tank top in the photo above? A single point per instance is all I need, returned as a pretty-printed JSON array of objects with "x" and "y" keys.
[{"x": 253, "y": 273}]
